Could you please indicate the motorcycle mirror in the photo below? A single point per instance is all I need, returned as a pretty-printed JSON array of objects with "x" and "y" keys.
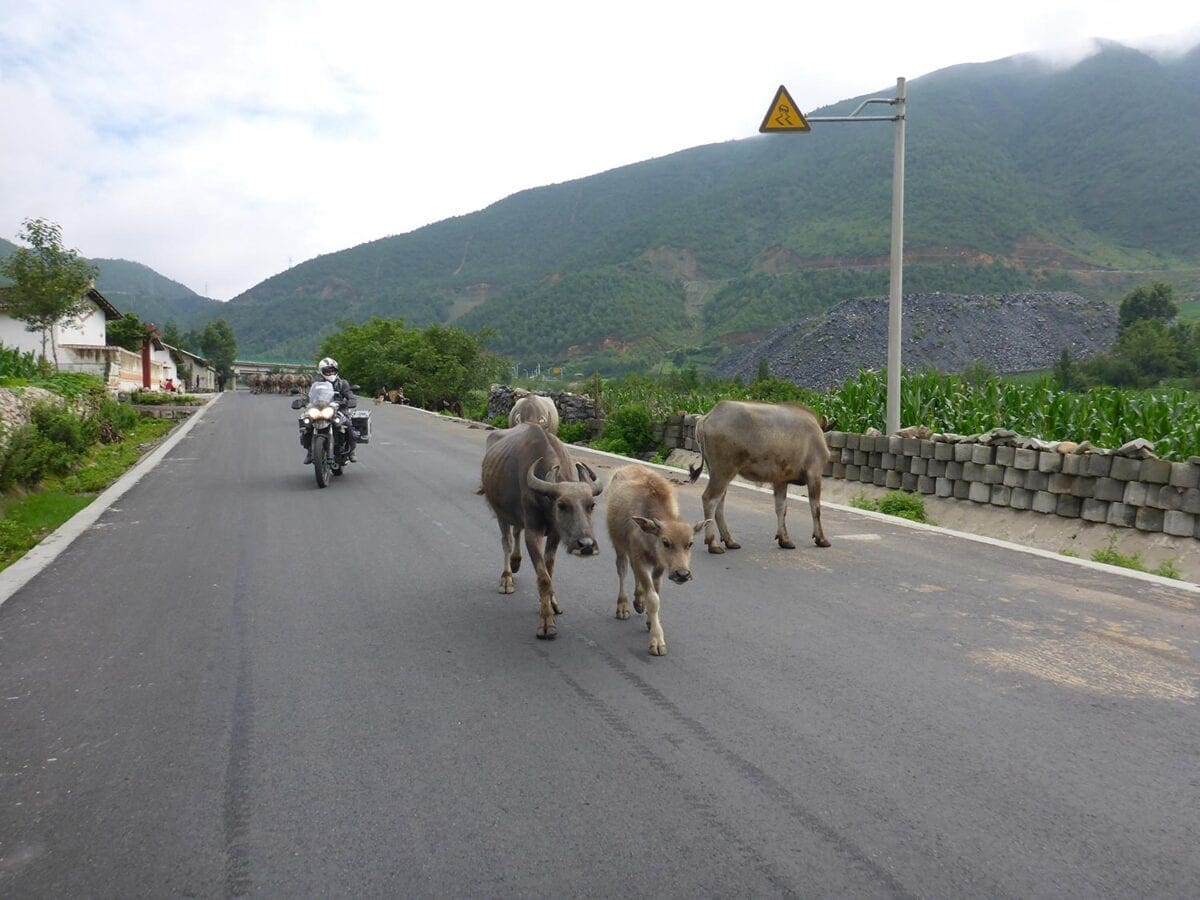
[
  {"x": 295, "y": 389},
  {"x": 298, "y": 403},
  {"x": 356, "y": 387}
]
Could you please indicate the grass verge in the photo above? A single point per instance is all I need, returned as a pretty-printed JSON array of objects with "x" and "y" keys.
[{"x": 28, "y": 516}]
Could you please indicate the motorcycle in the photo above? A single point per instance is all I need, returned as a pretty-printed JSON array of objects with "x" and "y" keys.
[{"x": 324, "y": 426}]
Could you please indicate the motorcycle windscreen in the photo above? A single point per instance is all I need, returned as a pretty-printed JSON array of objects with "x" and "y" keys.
[{"x": 320, "y": 394}]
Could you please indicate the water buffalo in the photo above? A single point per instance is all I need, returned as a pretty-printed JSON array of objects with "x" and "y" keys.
[
  {"x": 773, "y": 443},
  {"x": 646, "y": 531},
  {"x": 535, "y": 409},
  {"x": 532, "y": 485}
]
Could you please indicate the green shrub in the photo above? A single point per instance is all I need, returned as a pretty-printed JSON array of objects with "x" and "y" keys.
[
  {"x": 63, "y": 427},
  {"x": 627, "y": 431},
  {"x": 15, "y": 364},
  {"x": 1114, "y": 557},
  {"x": 903, "y": 505},
  {"x": 114, "y": 420},
  {"x": 573, "y": 432}
]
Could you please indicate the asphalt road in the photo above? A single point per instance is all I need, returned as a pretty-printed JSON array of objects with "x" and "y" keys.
[{"x": 236, "y": 683}]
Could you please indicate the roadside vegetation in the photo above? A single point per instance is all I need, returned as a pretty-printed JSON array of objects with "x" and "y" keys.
[{"x": 76, "y": 443}]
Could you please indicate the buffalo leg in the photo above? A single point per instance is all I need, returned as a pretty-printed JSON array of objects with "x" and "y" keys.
[
  {"x": 515, "y": 559},
  {"x": 507, "y": 583},
  {"x": 650, "y": 597},
  {"x": 546, "y": 627},
  {"x": 781, "y": 533},
  {"x": 713, "y": 499},
  {"x": 814, "y": 505},
  {"x": 551, "y": 555},
  {"x": 622, "y": 597}
]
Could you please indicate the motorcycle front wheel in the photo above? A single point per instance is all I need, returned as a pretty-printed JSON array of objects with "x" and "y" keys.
[{"x": 322, "y": 463}]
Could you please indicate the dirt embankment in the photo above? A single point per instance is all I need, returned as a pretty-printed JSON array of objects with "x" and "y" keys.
[{"x": 1008, "y": 332}]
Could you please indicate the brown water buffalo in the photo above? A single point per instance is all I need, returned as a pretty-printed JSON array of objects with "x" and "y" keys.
[
  {"x": 773, "y": 443},
  {"x": 535, "y": 409},
  {"x": 532, "y": 485},
  {"x": 646, "y": 531}
]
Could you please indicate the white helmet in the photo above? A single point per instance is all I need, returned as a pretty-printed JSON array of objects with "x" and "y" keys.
[{"x": 328, "y": 368}]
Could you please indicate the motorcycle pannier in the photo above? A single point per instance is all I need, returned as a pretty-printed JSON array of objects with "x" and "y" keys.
[{"x": 361, "y": 422}]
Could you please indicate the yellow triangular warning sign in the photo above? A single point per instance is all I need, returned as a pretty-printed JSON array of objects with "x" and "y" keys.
[{"x": 784, "y": 115}]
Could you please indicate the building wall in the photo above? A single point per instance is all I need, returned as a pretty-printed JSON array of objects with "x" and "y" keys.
[{"x": 90, "y": 330}]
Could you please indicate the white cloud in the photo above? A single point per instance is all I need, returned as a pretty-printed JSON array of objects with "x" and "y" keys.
[{"x": 215, "y": 142}]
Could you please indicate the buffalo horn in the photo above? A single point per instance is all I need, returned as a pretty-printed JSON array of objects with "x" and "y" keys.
[
  {"x": 539, "y": 485},
  {"x": 586, "y": 474}
]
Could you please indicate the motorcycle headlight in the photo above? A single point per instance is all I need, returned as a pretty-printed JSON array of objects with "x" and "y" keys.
[{"x": 326, "y": 413}]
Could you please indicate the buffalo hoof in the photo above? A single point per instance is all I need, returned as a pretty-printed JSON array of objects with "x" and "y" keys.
[
  {"x": 658, "y": 648},
  {"x": 622, "y": 610},
  {"x": 639, "y": 606},
  {"x": 821, "y": 542},
  {"x": 547, "y": 633},
  {"x": 554, "y": 606},
  {"x": 507, "y": 585},
  {"x": 733, "y": 545},
  {"x": 786, "y": 545},
  {"x": 715, "y": 548}
]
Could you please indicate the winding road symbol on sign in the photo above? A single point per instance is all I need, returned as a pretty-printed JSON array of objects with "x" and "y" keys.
[{"x": 783, "y": 115}]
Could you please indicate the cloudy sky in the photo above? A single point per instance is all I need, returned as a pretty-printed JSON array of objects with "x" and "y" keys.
[{"x": 221, "y": 142}]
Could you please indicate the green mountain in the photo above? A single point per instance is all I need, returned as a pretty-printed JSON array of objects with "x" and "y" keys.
[{"x": 133, "y": 287}]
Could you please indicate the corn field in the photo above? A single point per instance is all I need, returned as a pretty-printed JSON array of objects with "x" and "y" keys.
[{"x": 1107, "y": 417}]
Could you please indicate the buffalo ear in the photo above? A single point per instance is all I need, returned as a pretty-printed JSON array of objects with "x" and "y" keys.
[
  {"x": 650, "y": 526},
  {"x": 699, "y": 526}
]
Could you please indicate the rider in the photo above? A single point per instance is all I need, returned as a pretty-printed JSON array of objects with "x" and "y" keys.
[{"x": 328, "y": 369}]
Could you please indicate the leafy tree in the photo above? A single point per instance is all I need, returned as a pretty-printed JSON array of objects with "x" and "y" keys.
[
  {"x": 219, "y": 345},
  {"x": 128, "y": 332},
  {"x": 764, "y": 370},
  {"x": 1065, "y": 374},
  {"x": 49, "y": 282},
  {"x": 1154, "y": 301}
]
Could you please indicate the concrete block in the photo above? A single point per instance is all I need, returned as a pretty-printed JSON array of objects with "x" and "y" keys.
[
  {"x": 954, "y": 470},
  {"x": 1184, "y": 475},
  {"x": 1110, "y": 489},
  {"x": 1084, "y": 487},
  {"x": 862, "y": 458},
  {"x": 887, "y": 461},
  {"x": 1156, "y": 471},
  {"x": 895, "y": 445},
  {"x": 891, "y": 480},
  {"x": 944, "y": 487},
  {"x": 1025, "y": 459},
  {"x": 993, "y": 474},
  {"x": 1021, "y": 498},
  {"x": 1036, "y": 481},
  {"x": 943, "y": 451},
  {"x": 1049, "y": 461},
  {"x": 839, "y": 471},
  {"x": 1125, "y": 469},
  {"x": 1073, "y": 464},
  {"x": 979, "y": 492},
  {"x": 984, "y": 454},
  {"x": 1121, "y": 515},
  {"x": 962, "y": 452},
  {"x": 962, "y": 489},
  {"x": 918, "y": 465},
  {"x": 908, "y": 482},
  {"x": 1098, "y": 465},
  {"x": 935, "y": 468},
  {"x": 853, "y": 441},
  {"x": 912, "y": 447},
  {"x": 852, "y": 473},
  {"x": 1061, "y": 484},
  {"x": 926, "y": 449},
  {"x": 1013, "y": 477},
  {"x": 1191, "y": 501},
  {"x": 847, "y": 457},
  {"x": 1135, "y": 493},
  {"x": 874, "y": 460},
  {"x": 1165, "y": 497},
  {"x": 1179, "y": 523},
  {"x": 1005, "y": 456},
  {"x": 926, "y": 484},
  {"x": 827, "y": 472},
  {"x": 1069, "y": 507},
  {"x": 1149, "y": 519},
  {"x": 972, "y": 471},
  {"x": 1094, "y": 510},
  {"x": 1001, "y": 495},
  {"x": 836, "y": 440},
  {"x": 1044, "y": 502},
  {"x": 867, "y": 475}
]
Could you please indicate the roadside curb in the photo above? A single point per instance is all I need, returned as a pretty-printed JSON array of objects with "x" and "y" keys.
[{"x": 38, "y": 558}]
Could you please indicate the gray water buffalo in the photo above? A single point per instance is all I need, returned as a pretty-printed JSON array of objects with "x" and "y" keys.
[
  {"x": 532, "y": 485},
  {"x": 772, "y": 443},
  {"x": 647, "y": 532},
  {"x": 534, "y": 409}
]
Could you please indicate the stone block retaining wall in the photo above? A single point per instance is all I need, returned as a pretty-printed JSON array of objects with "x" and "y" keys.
[{"x": 1002, "y": 469}]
